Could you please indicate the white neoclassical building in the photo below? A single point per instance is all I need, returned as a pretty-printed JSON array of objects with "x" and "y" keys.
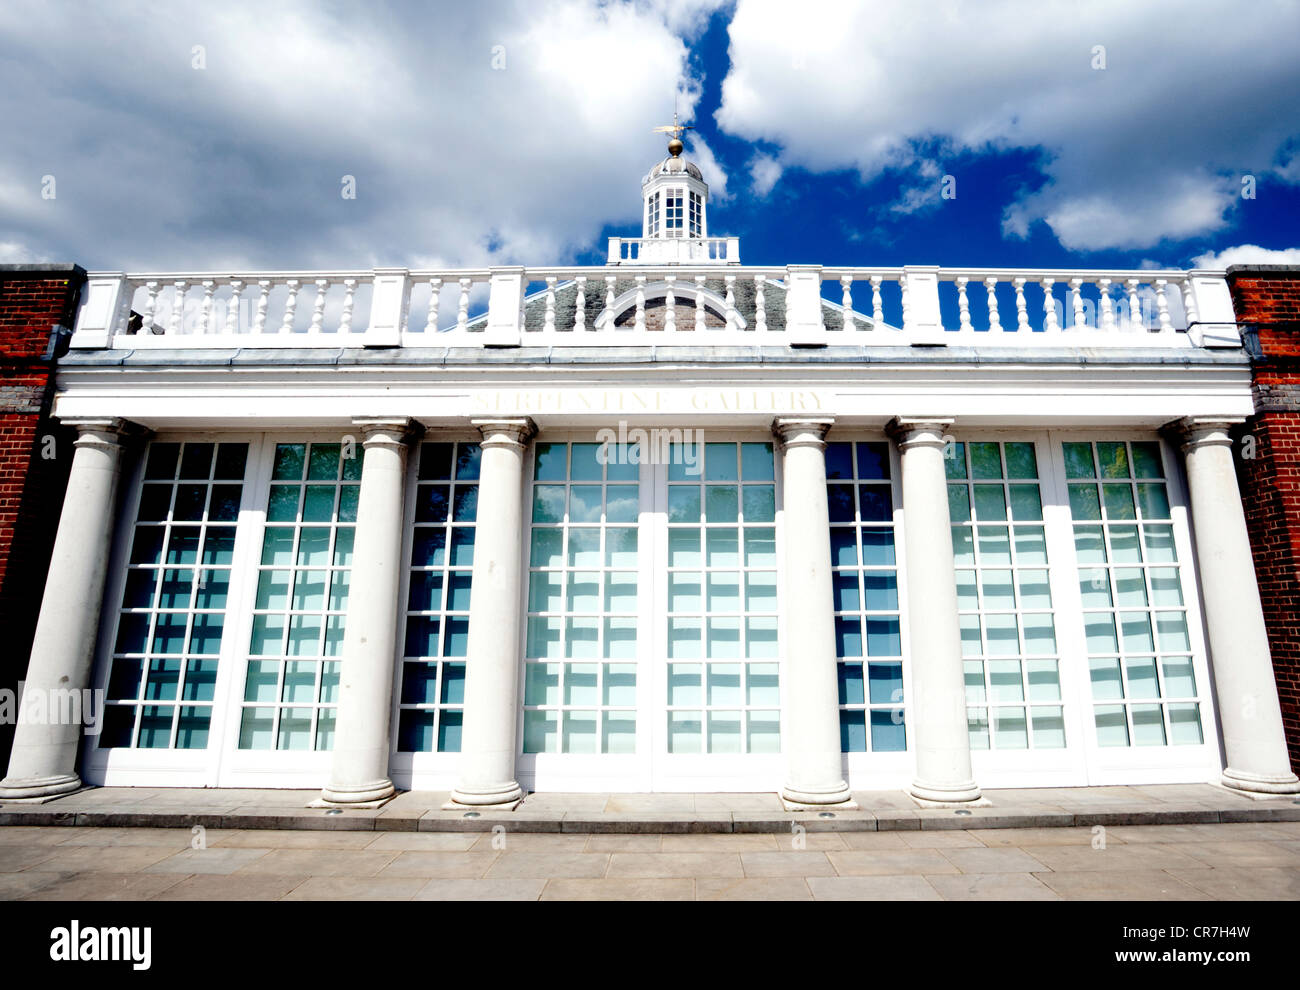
[{"x": 670, "y": 523}]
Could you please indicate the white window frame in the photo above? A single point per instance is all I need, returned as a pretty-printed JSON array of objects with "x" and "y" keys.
[
  {"x": 435, "y": 770},
  {"x": 134, "y": 767},
  {"x": 1031, "y": 767},
  {"x": 652, "y": 767},
  {"x": 1132, "y": 764},
  {"x": 588, "y": 772},
  {"x": 874, "y": 770},
  {"x": 266, "y": 767}
]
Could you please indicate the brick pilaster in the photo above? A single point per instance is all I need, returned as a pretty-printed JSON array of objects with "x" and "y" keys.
[
  {"x": 33, "y": 300},
  {"x": 1267, "y": 302}
]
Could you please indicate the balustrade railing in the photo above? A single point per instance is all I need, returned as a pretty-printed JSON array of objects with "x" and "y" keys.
[{"x": 702, "y": 304}]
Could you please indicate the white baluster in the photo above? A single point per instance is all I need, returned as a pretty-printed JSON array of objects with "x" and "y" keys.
[
  {"x": 462, "y": 307},
  {"x": 995, "y": 320},
  {"x": 580, "y": 305},
  {"x": 1189, "y": 302},
  {"x": 730, "y": 281},
  {"x": 670, "y": 305},
  {"x": 640, "y": 304},
  {"x": 290, "y": 305},
  {"x": 1134, "y": 306},
  {"x": 1076, "y": 289},
  {"x": 963, "y": 306},
  {"x": 1050, "y": 323},
  {"x": 205, "y": 319},
  {"x": 846, "y": 300},
  {"x": 263, "y": 300},
  {"x": 178, "y": 309},
  {"x": 1107, "y": 306},
  {"x": 1022, "y": 307},
  {"x": 1162, "y": 306},
  {"x": 318, "y": 310},
  {"x": 907, "y": 305},
  {"x": 150, "y": 307},
  {"x": 349, "y": 300},
  {"x": 549, "y": 325},
  {"x": 404, "y": 321},
  {"x": 877, "y": 307},
  {"x": 760, "y": 307},
  {"x": 699, "y": 304},
  {"x": 435, "y": 297},
  {"x": 232, "y": 305},
  {"x": 609, "y": 301}
]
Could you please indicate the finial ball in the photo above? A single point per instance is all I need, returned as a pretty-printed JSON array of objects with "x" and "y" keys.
[{"x": 675, "y": 147}]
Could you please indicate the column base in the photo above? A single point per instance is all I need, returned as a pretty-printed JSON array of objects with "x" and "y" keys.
[
  {"x": 39, "y": 788},
  {"x": 506, "y": 797},
  {"x": 1260, "y": 785},
  {"x": 370, "y": 795},
  {"x": 963, "y": 795},
  {"x": 838, "y": 799}
]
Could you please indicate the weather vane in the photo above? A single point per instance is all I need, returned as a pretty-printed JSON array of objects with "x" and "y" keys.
[{"x": 675, "y": 129}]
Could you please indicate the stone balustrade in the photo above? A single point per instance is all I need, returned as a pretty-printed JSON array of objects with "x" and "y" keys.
[{"x": 701, "y": 303}]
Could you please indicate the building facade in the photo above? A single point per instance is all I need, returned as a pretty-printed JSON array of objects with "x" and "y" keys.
[{"x": 670, "y": 523}]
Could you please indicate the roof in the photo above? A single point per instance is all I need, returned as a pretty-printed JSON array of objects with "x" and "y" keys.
[{"x": 674, "y": 165}]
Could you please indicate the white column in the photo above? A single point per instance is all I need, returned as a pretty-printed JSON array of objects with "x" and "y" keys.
[
  {"x": 44, "y": 757},
  {"x": 359, "y": 762},
  {"x": 936, "y": 700},
  {"x": 487, "y": 774},
  {"x": 1249, "y": 714},
  {"x": 814, "y": 774}
]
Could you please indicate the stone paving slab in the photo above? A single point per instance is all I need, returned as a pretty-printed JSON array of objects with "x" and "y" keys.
[
  {"x": 1196, "y": 862},
  {"x": 417, "y": 812}
]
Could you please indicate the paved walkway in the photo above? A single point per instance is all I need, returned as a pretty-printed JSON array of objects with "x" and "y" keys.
[
  {"x": 1149, "y": 862},
  {"x": 1167, "y": 804}
]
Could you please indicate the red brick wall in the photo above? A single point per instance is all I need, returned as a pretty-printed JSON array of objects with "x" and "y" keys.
[
  {"x": 33, "y": 299},
  {"x": 1267, "y": 302}
]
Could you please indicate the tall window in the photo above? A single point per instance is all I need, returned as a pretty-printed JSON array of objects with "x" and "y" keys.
[
  {"x": 1008, "y": 630},
  {"x": 697, "y": 214},
  {"x": 723, "y": 664},
  {"x": 673, "y": 213},
  {"x": 291, "y": 688},
  {"x": 437, "y": 605},
  {"x": 580, "y": 659},
  {"x": 1144, "y": 687},
  {"x": 865, "y": 588},
  {"x": 172, "y": 619},
  {"x": 654, "y": 214}
]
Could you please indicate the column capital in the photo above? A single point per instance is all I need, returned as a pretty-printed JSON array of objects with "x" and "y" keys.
[
  {"x": 919, "y": 431},
  {"x": 797, "y": 431},
  {"x": 378, "y": 431},
  {"x": 103, "y": 431},
  {"x": 505, "y": 432},
  {"x": 1192, "y": 432}
]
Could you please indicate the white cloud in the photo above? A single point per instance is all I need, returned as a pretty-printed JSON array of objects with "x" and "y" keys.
[
  {"x": 14, "y": 253},
  {"x": 687, "y": 17},
  {"x": 162, "y": 166},
  {"x": 1151, "y": 147},
  {"x": 713, "y": 173},
  {"x": 1248, "y": 254},
  {"x": 1290, "y": 169},
  {"x": 764, "y": 171}
]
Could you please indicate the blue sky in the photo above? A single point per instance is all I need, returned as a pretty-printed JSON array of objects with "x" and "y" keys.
[{"x": 191, "y": 136}]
